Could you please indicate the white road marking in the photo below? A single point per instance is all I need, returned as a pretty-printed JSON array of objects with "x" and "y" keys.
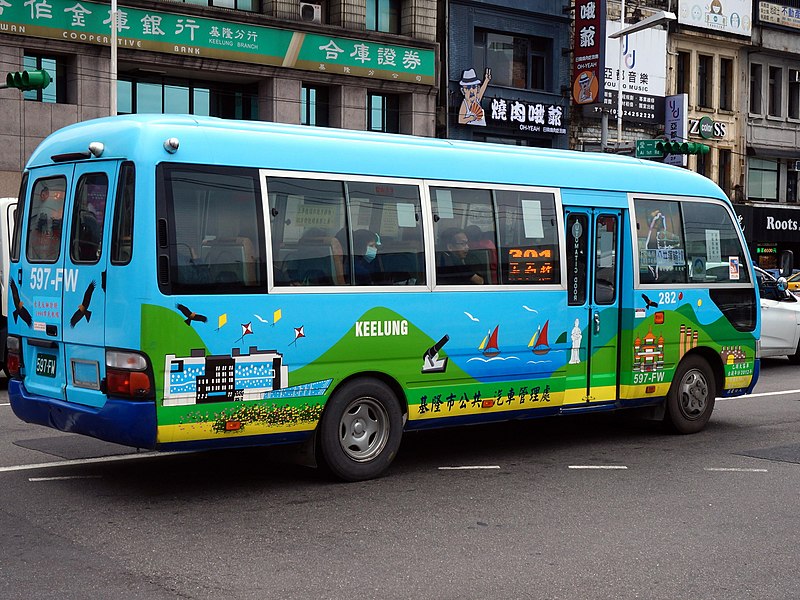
[
  {"x": 87, "y": 461},
  {"x": 37, "y": 479},
  {"x": 469, "y": 467},
  {"x": 735, "y": 470},
  {"x": 5, "y": 403},
  {"x": 609, "y": 467},
  {"x": 762, "y": 394}
]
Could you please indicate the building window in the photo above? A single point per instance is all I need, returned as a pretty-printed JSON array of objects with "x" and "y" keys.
[
  {"x": 705, "y": 80},
  {"x": 248, "y": 5},
  {"x": 383, "y": 15},
  {"x": 775, "y": 89},
  {"x": 726, "y": 83},
  {"x": 704, "y": 165},
  {"x": 314, "y": 104},
  {"x": 383, "y": 113},
  {"x": 762, "y": 179},
  {"x": 756, "y": 107},
  {"x": 794, "y": 94},
  {"x": 162, "y": 97},
  {"x": 791, "y": 185},
  {"x": 724, "y": 171},
  {"x": 56, "y": 92},
  {"x": 519, "y": 62},
  {"x": 684, "y": 66}
]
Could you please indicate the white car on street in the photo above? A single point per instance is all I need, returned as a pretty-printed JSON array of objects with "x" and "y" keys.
[{"x": 780, "y": 318}]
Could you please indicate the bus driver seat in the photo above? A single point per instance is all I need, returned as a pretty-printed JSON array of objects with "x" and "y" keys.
[{"x": 231, "y": 258}]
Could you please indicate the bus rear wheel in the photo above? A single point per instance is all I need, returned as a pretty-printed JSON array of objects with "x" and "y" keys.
[
  {"x": 361, "y": 430},
  {"x": 690, "y": 400}
]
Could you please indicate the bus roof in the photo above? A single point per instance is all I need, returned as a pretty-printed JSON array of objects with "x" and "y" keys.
[{"x": 209, "y": 140}]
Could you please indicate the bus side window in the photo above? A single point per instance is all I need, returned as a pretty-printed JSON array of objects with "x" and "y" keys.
[
  {"x": 306, "y": 215},
  {"x": 122, "y": 228}
]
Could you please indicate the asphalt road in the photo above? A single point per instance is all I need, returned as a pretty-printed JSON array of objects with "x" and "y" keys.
[{"x": 573, "y": 508}]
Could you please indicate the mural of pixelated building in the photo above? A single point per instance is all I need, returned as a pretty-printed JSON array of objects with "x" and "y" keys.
[{"x": 201, "y": 379}]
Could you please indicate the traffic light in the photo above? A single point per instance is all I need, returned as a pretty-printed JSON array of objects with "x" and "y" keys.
[
  {"x": 28, "y": 80},
  {"x": 681, "y": 147},
  {"x": 697, "y": 148},
  {"x": 660, "y": 148}
]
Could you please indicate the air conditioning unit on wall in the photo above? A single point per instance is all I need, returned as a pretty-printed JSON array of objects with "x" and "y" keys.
[{"x": 310, "y": 13}]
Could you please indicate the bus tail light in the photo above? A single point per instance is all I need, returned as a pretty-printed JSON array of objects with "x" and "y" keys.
[
  {"x": 128, "y": 374},
  {"x": 13, "y": 356}
]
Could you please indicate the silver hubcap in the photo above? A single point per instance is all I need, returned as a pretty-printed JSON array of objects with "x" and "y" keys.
[
  {"x": 364, "y": 429},
  {"x": 693, "y": 394}
]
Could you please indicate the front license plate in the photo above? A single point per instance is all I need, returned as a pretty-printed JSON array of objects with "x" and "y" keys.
[{"x": 46, "y": 365}]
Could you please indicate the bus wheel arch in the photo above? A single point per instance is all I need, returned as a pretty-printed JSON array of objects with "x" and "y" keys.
[
  {"x": 691, "y": 397},
  {"x": 361, "y": 427}
]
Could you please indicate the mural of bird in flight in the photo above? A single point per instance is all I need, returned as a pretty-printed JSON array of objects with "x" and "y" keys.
[
  {"x": 83, "y": 307},
  {"x": 19, "y": 309},
  {"x": 190, "y": 316}
]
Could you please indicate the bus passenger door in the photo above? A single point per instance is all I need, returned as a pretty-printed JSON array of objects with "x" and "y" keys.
[
  {"x": 84, "y": 303},
  {"x": 36, "y": 282},
  {"x": 593, "y": 249}
]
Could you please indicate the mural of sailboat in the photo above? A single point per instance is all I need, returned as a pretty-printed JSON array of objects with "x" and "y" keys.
[
  {"x": 538, "y": 343},
  {"x": 489, "y": 344}
]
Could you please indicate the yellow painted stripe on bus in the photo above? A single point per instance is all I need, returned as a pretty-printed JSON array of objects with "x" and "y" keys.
[
  {"x": 738, "y": 381},
  {"x": 203, "y": 431},
  {"x": 640, "y": 391}
]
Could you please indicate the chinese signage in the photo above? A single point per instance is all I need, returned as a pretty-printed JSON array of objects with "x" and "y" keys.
[
  {"x": 642, "y": 75},
  {"x": 676, "y": 125},
  {"x": 138, "y": 29},
  {"x": 724, "y": 16},
  {"x": 588, "y": 48},
  {"x": 779, "y": 14},
  {"x": 528, "y": 265},
  {"x": 530, "y": 117}
]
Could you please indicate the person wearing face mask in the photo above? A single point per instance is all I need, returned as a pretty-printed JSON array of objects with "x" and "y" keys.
[{"x": 365, "y": 250}]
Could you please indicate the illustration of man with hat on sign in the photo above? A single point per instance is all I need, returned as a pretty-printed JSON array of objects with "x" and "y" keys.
[{"x": 471, "y": 112}]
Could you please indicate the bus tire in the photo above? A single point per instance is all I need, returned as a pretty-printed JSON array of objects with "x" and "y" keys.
[
  {"x": 690, "y": 400},
  {"x": 360, "y": 430}
]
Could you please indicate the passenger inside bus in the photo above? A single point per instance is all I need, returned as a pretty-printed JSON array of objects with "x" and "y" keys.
[
  {"x": 482, "y": 253},
  {"x": 452, "y": 266},
  {"x": 365, "y": 250}
]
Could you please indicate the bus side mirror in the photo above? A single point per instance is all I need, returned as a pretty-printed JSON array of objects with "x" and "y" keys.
[{"x": 787, "y": 263}]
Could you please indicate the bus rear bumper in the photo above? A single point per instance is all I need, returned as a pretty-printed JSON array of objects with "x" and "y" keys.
[{"x": 126, "y": 422}]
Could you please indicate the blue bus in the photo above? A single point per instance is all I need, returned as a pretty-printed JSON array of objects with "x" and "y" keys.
[{"x": 180, "y": 282}]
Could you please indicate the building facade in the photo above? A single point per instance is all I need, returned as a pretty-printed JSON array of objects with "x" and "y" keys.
[
  {"x": 506, "y": 72},
  {"x": 355, "y": 64},
  {"x": 771, "y": 214}
]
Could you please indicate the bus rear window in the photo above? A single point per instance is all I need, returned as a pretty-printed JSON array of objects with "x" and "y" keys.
[{"x": 46, "y": 220}]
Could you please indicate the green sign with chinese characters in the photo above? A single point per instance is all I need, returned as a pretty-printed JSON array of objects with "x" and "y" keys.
[
  {"x": 138, "y": 29},
  {"x": 648, "y": 149}
]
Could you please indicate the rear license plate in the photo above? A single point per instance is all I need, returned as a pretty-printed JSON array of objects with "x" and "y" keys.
[{"x": 46, "y": 365}]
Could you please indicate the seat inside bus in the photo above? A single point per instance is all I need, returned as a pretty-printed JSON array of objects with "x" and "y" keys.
[
  {"x": 310, "y": 265},
  {"x": 230, "y": 256}
]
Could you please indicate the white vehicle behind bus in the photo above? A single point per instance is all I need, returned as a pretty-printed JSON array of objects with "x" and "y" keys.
[{"x": 8, "y": 209}]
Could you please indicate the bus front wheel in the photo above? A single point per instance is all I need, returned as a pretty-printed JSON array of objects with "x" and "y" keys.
[
  {"x": 361, "y": 430},
  {"x": 690, "y": 400}
]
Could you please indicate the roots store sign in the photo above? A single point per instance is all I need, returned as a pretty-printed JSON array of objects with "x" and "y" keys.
[
  {"x": 769, "y": 226},
  {"x": 154, "y": 30}
]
